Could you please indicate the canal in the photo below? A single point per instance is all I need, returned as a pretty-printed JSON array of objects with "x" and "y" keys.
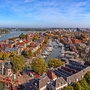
[{"x": 55, "y": 52}]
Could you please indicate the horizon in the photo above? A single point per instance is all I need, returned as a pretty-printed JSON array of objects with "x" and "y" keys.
[{"x": 45, "y": 14}]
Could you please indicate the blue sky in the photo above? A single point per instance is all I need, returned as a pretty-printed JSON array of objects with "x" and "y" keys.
[{"x": 45, "y": 13}]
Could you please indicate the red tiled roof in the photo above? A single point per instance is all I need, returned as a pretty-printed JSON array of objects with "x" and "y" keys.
[
  {"x": 26, "y": 49},
  {"x": 15, "y": 88},
  {"x": 0, "y": 61},
  {"x": 76, "y": 41},
  {"x": 20, "y": 43},
  {"x": 51, "y": 75}
]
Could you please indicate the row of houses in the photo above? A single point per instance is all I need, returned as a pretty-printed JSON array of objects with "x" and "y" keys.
[
  {"x": 20, "y": 45},
  {"x": 61, "y": 77}
]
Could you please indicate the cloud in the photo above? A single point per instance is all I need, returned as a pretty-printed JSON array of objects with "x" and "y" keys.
[{"x": 48, "y": 11}]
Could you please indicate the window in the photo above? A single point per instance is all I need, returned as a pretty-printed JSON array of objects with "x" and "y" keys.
[
  {"x": 82, "y": 76},
  {"x": 76, "y": 79},
  {"x": 59, "y": 84},
  {"x": 69, "y": 82}
]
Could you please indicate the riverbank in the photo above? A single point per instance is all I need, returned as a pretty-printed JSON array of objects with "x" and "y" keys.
[{"x": 14, "y": 34}]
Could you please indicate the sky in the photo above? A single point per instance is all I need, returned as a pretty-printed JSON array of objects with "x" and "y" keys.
[{"x": 45, "y": 13}]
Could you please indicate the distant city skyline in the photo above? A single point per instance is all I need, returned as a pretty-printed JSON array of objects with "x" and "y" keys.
[{"x": 45, "y": 13}]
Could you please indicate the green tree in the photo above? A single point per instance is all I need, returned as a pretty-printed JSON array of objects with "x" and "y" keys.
[
  {"x": 22, "y": 36},
  {"x": 77, "y": 86},
  {"x": 26, "y": 36},
  {"x": 84, "y": 58},
  {"x": 69, "y": 88},
  {"x": 75, "y": 56},
  {"x": 84, "y": 84},
  {"x": 4, "y": 56},
  {"x": 14, "y": 53},
  {"x": 39, "y": 65},
  {"x": 54, "y": 62},
  {"x": 87, "y": 77},
  {"x": 18, "y": 62},
  {"x": 35, "y": 38}
]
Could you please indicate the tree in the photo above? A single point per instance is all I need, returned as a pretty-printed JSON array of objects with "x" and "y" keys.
[
  {"x": 35, "y": 38},
  {"x": 84, "y": 58},
  {"x": 84, "y": 84},
  {"x": 46, "y": 40},
  {"x": 14, "y": 53},
  {"x": 4, "y": 56},
  {"x": 1, "y": 54},
  {"x": 8, "y": 54},
  {"x": 22, "y": 36},
  {"x": 87, "y": 77},
  {"x": 69, "y": 88},
  {"x": 29, "y": 53},
  {"x": 26, "y": 36},
  {"x": 18, "y": 62},
  {"x": 75, "y": 56},
  {"x": 77, "y": 86},
  {"x": 39, "y": 65},
  {"x": 54, "y": 62}
]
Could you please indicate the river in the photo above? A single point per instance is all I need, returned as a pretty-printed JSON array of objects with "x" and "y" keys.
[
  {"x": 12, "y": 34},
  {"x": 15, "y": 34},
  {"x": 55, "y": 52}
]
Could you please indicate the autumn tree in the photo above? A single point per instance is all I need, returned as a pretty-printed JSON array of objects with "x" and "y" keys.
[
  {"x": 54, "y": 62},
  {"x": 1, "y": 54},
  {"x": 8, "y": 54},
  {"x": 46, "y": 40},
  {"x": 18, "y": 62},
  {"x": 35, "y": 38},
  {"x": 4, "y": 56},
  {"x": 29, "y": 53},
  {"x": 39, "y": 65}
]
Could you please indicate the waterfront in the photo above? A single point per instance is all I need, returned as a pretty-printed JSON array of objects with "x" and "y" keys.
[
  {"x": 14, "y": 34},
  {"x": 54, "y": 53}
]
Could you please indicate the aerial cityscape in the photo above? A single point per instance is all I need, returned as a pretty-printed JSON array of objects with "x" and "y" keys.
[{"x": 44, "y": 45}]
